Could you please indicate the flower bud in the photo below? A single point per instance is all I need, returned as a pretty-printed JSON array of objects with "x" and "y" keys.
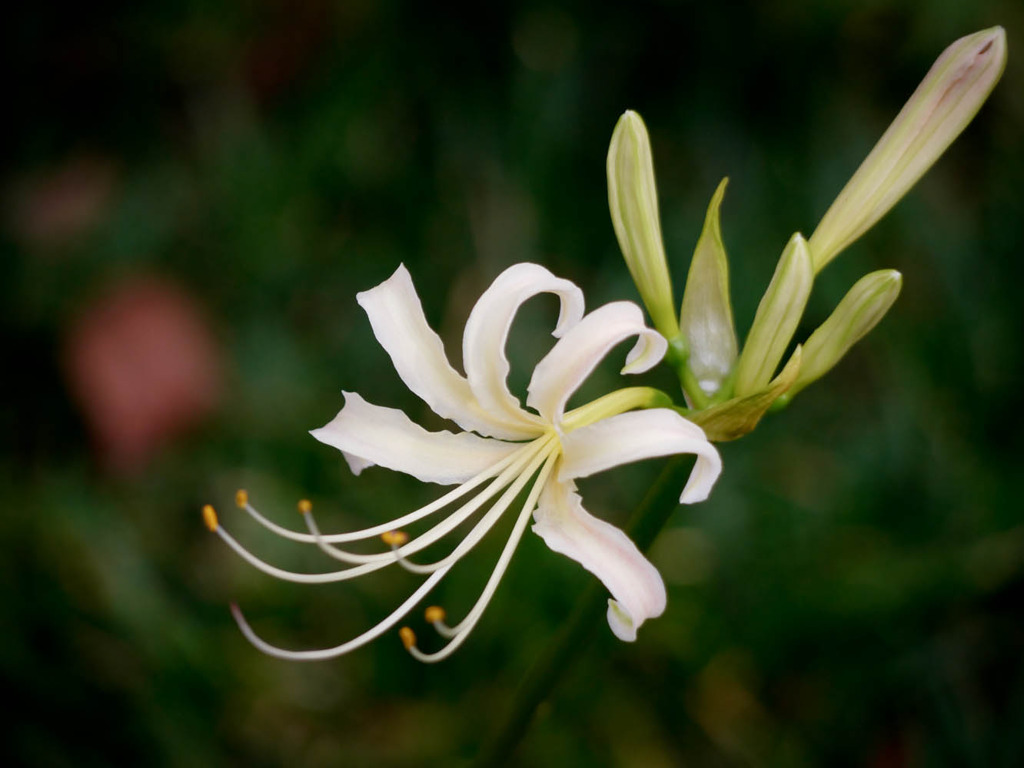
[
  {"x": 777, "y": 317},
  {"x": 858, "y": 312},
  {"x": 705, "y": 319},
  {"x": 633, "y": 200},
  {"x": 944, "y": 103}
]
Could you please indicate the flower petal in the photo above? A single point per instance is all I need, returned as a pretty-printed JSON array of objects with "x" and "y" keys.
[
  {"x": 396, "y": 315},
  {"x": 640, "y": 435},
  {"x": 605, "y": 551},
  {"x": 579, "y": 351},
  {"x": 483, "y": 346},
  {"x": 368, "y": 434}
]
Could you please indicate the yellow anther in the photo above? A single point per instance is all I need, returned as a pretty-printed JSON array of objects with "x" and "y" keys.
[
  {"x": 394, "y": 538},
  {"x": 434, "y": 614},
  {"x": 241, "y": 498},
  {"x": 408, "y": 637},
  {"x": 210, "y": 517},
  {"x": 305, "y": 506}
]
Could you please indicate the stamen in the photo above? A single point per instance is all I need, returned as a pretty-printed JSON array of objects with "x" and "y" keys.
[
  {"x": 481, "y": 528},
  {"x": 395, "y": 539},
  {"x": 305, "y": 506},
  {"x": 518, "y": 470},
  {"x": 210, "y": 517},
  {"x": 408, "y": 637},
  {"x": 520, "y": 456},
  {"x": 434, "y": 614},
  {"x": 517, "y": 473},
  {"x": 330, "y": 653},
  {"x": 241, "y": 498},
  {"x": 299, "y": 578},
  {"x": 461, "y": 631}
]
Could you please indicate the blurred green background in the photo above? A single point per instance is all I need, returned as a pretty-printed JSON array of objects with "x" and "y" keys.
[{"x": 194, "y": 195}]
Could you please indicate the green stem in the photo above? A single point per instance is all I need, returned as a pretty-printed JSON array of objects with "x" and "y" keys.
[{"x": 647, "y": 521}]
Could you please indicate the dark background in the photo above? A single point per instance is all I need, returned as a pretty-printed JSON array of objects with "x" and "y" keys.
[{"x": 194, "y": 194}]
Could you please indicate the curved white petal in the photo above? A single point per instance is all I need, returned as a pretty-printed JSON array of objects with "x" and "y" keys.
[
  {"x": 583, "y": 346},
  {"x": 637, "y": 435},
  {"x": 605, "y": 551},
  {"x": 396, "y": 315},
  {"x": 483, "y": 346},
  {"x": 368, "y": 434}
]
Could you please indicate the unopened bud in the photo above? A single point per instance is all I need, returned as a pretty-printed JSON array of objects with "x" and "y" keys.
[
  {"x": 633, "y": 201},
  {"x": 944, "y": 103},
  {"x": 860, "y": 310},
  {"x": 777, "y": 317}
]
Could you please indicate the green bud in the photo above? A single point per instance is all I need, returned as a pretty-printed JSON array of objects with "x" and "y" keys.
[
  {"x": 858, "y": 312},
  {"x": 705, "y": 319},
  {"x": 633, "y": 200},
  {"x": 735, "y": 418},
  {"x": 777, "y": 317},
  {"x": 948, "y": 98}
]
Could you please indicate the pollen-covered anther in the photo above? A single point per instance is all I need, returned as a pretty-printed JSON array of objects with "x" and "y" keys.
[
  {"x": 434, "y": 614},
  {"x": 305, "y": 506},
  {"x": 408, "y": 638},
  {"x": 394, "y": 538},
  {"x": 241, "y": 498},
  {"x": 210, "y": 517}
]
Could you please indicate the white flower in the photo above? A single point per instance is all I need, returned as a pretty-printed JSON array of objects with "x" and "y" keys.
[{"x": 503, "y": 450}]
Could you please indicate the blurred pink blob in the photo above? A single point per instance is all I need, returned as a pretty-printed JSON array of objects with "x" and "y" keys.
[{"x": 144, "y": 367}]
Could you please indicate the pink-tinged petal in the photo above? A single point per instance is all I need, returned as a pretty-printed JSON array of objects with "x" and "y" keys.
[
  {"x": 637, "y": 435},
  {"x": 483, "y": 348},
  {"x": 583, "y": 346},
  {"x": 637, "y": 589},
  {"x": 396, "y": 315},
  {"x": 368, "y": 434}
]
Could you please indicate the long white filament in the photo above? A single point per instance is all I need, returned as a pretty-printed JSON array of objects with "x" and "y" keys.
[
  {"x": 330, "y": 653},
  {"x": 486, "y": 522},
  {"x": 375, "y": 563},
  {"x": 541, "y": 453},
  {"x": 523, "y": 468},
  {"x": 408, "y": 519},
  {"x": 298, "y": 578},
  {"x": 456, "y": 518},
  {"x": 460, "y": 632}
]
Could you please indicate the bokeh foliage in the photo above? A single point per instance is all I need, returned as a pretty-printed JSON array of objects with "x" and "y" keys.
[{"x": 848, "y": 596}]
